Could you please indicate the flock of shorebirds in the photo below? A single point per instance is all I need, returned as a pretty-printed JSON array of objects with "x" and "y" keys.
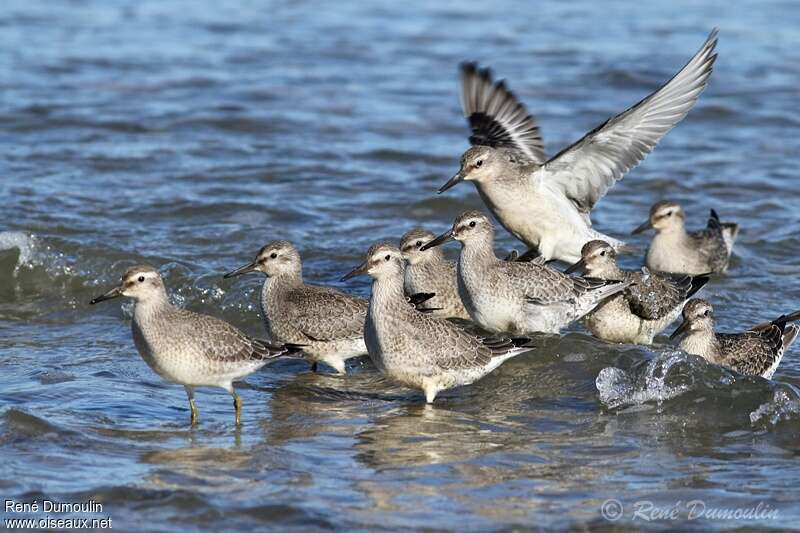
[{"x": 413, "y": 327}]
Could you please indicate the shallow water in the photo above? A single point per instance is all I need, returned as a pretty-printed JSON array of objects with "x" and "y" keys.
[{"x": 187, "y": 135}]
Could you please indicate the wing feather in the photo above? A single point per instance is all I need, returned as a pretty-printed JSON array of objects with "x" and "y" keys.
[
  {"x": 495, "y": 115},
  {"x": 587, "y": 169},
  {"x": 325, "y": 314}
]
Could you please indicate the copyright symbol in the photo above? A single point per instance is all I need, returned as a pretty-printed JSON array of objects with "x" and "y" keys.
[{"x": 611, "y": 510}]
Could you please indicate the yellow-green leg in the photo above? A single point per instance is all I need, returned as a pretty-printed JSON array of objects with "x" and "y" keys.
[
  {"x": 193, "y": 405},
  {"x": 237, "y": 404}
]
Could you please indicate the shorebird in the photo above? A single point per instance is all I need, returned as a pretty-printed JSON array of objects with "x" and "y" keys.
[
  {"x": 675, "y": 250},
  {"x": 519, "y": 298},
  {"x": 544, "y": 202},
  {"x": 757, "y": 352},
  {"x": 327, "y": 322},
  {"x": 430, "y": 272},
  {"x": 417, "y": 349},
  {"x": 187, "y": 348},
  {"x": 644, "y": 309}
]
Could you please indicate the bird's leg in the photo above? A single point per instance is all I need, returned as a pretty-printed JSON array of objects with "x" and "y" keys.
[
  {"x": 237, "y": 405},
  {"x": 192, "y": 404},
  {"x": 314, "y": 366}
]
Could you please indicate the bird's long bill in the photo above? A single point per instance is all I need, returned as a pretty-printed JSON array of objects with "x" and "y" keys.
[
  {"x": 577, "y": 267},
  {"x": 241, "y": 270},
  {"x": 441, "y": 239},
  {"x": 357, "y": 271},
  {"x": 644, "y": 227},
  {"x": 452, "y": 181},
  {"x": 680, "y": 331},
  {"x": 113, "y": 293}
]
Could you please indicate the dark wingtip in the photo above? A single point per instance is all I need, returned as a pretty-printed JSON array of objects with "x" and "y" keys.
[
  {"x": 420, "y": 298},
  {"x": 698, "y": 282},
  {"x": 292, "y": 347},
  {"x": 468, "y": 67},
  {"x": 783, "y": 319},
  {"x": 523, "y": 342}
]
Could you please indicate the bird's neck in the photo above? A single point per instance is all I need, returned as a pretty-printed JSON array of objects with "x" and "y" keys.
[
  {"x": 674, "y": 231},
  {"x": 433, "y": 255},
  {"x": 152, "y": 306},
  {"x": 477, "y": 253},
  {"x": 387, "y": 292},
  {"x": 608, "y": 271},
  {"x": 283, "y": 282},
  {"x": 702, "y": 343}
]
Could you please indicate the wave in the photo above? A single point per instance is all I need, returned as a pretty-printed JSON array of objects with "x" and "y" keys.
[
  {"x": 40, "y": 278},
  {"x": 26, "y": 244},
  {"x": 784, "y": 406},
  {"x": 673, "y": 374},
  {"x": 667, "y": 376}
]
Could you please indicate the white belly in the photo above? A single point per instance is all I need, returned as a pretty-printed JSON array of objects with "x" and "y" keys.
[{"x": 540, "y": 218}]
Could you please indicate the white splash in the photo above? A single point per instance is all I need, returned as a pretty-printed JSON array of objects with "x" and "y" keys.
[
  {"x": 661, "y": 379},
  {"x": 26, "y": 244},
  {"x": 785, "y": 404}
]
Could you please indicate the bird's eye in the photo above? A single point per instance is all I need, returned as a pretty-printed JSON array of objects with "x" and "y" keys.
[
  {"x": 603, "y": 253},
  {"x": 273, "y": 255},
  {"x": 141, "y": 279},
  {"x": 419, "y": 243},
  {"x": 669, "y": 213},
  {"x": 705, "y": 313},
  {"x": 478, "y": 163},
  {"x": 472, "y": 224},
  {"x": 387, "y": 257}
]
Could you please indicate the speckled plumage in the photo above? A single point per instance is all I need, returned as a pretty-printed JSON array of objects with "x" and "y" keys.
[
  {"x": 676, "y": 251},
  {"x": 429, "y": 271},
  {"x": 327, "y": 322},
  {"x": 757, "y": 352},
  {"x": 519, "y": 298},
  {"x": 546, "y": 203},
  {"x": 644, "y": 309},
  {"x": 419, "y": 350},
  {"x": 185, "y": 347}
]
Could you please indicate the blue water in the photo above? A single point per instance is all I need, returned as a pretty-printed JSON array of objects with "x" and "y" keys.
[{"x": 188, "y": 134}]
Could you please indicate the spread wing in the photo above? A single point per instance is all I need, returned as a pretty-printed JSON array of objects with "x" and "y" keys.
[
  {"x": 324, "y": 314},
  {"x": 587, "y": 169},
  {"x": 495, "y": 115},
  {"x": 222, "y": 342},
  {"x": 653, "y": 297}
]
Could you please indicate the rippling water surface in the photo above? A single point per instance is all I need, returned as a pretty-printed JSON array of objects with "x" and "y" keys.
[{"x": 187, "y": 134}]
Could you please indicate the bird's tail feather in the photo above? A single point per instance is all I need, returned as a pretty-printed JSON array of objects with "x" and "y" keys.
[
  {"x": 697, "y": 283},
  {"x": 789, "y": 335}
]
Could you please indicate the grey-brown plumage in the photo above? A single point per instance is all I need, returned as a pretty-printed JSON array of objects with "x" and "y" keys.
[
  {"x": 546, "y": 203},
  {"x": 519, "y": 298},
  {"x": 185, "y": 347},
  {"x": 650, "y": 304},
  {"x": 430, "y": 272},
  {"x": 677, "y": 251},
  {"x": 417, "y": 349},
  {"x": 327, "y": 322},
  {"x": 757, "y": 352}
]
